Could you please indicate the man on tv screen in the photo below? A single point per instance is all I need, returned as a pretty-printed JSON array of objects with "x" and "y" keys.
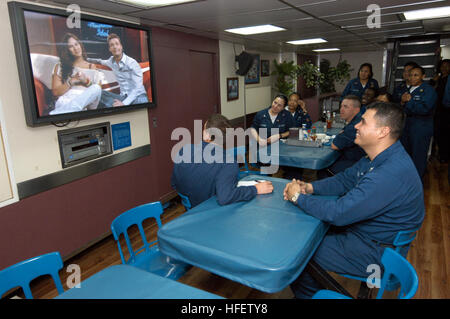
[{"x": 128, "y": 73}]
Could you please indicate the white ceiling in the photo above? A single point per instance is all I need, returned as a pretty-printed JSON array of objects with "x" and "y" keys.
[{"x": 341, "y": 22}]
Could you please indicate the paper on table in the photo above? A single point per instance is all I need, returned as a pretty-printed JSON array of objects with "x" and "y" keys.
[{"x": 249, "y": 183}]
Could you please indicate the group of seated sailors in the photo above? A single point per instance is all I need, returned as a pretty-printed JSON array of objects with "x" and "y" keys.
[{"x": 377, "y": 178}]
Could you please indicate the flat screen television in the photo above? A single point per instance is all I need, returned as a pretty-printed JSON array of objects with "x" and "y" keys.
[{"x": 82, "y": 68}]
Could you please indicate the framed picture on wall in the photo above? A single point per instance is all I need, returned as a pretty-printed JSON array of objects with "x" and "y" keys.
[
  {"x": 232, "y": 89},
  {"x": 252, "y": 75},
  {"x": 265, "y": 67}
]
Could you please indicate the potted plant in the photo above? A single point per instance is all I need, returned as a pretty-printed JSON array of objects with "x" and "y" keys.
[
  {"x": 331, "y": 75},
  {"x": 285, "y": 72}
]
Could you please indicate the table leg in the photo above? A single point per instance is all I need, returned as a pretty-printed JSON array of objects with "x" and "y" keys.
[{"x": 325, "y": 279}]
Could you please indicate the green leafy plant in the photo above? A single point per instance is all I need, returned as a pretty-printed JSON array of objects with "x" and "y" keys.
[
  {"x": 311, "y": 74},
  {"x": 339, "y": 74},
  {"x": 285, "y": 72}
]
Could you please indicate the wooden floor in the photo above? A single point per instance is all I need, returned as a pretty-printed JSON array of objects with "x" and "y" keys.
[{"x": 429, "y": 253}]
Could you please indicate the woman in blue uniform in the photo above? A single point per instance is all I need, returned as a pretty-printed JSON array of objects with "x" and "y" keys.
[
  {"x": 274, "y": 117},
  {"x": 419, "y": 103},
  {"x": 358, "y": 85},
  {"x": 297, "y": 108}
]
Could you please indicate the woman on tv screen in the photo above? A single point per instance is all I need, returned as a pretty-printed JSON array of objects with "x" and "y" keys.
[{"x": 75, "y": 82}]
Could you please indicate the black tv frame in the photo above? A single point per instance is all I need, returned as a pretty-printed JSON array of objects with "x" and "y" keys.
[{"x": 20, "y": 37}]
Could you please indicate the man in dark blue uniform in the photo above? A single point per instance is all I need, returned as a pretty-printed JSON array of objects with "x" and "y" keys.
[
  {"x": 368, "y": 97},
  {"x": 419, "y": 103},
  {"x": 344, "y": 141},
  {"x": 403, "y": 87},
  {"x": 358, "y": 85},
  {"x": 274, "y": 117},
  {"x": 198, "y": 175},
  {"x": 379, "y": 196},
  {"x": 297, "y": 108}
]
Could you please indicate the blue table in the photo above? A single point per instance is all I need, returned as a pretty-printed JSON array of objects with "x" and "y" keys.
[
  {"x": 128, "y": 282},
  {"x": 264, "y": 243},
  {"x": 315, "y": 158}
]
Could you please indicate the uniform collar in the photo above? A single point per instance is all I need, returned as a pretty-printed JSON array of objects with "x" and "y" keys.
[{"x": 387, "y": 153}]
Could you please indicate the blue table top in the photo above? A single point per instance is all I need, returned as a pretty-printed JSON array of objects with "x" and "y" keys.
[
  {"x": 264, "y": 243},
  {"x": 128, "y": 282},
  {"x": 315, "y": 158}
]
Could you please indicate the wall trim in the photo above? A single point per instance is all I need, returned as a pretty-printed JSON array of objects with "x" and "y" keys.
[{"x": 47, "y": 182}]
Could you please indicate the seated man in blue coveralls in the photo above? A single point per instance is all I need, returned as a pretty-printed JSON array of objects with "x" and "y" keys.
[
  {"x": 419, "y": 103},
  {"x": 404, "y": 85},
  {"x": 379, "y": 196},
  {"x": 297, "y": 108},
  {"x": 358, "y": 85},
  {"x": 344, "y": 141},
  {"x": 274, "y": 116},
  {"x": 200, "y": 180}
]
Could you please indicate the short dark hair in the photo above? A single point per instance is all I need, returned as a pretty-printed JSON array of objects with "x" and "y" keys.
[
  {"x": 420, "y": 68},
  {"x": 410, "y": 63},
  {"x": 296, "y": 93},
  {"x": 370, "y": 68},
  {"x": 283, "y": 97},
  {"x": 112, "y": 36},
  {"x": 390, "y": 115},
  {"x": 220, "y": 122},
  {"x": 384, "y": 91},
  {"x": 356, "y": 100}
]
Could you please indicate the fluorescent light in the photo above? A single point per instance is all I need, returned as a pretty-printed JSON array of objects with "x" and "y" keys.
[
  {"x": 326, "y": 50},
  {"x": 307, "y": 41},
  {"x": 147, "y": 4},
  {"x": 431, "y": 13},
  {"x": 255, "y": 29}
]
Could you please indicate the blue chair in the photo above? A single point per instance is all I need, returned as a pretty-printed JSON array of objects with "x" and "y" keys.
[
  {"x": 21, "y": 274},
  {"x": 185, "y": 201},
  {"x": 401, "y": 244},
  {"x": 148, "y": 257},
  {"x": 395, "y": 265},
  {"x": 238, "y": 154}
]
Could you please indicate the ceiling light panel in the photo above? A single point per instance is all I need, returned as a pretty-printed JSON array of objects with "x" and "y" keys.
[
  {"x": 149, "y": 4},
  {"x": 307, "y": 41},
  {"x": 431, "y": 13},
  {"x": 255, "y": 29}
]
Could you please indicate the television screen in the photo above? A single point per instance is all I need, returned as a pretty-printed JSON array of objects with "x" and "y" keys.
[{"x": 73, "y": 70}]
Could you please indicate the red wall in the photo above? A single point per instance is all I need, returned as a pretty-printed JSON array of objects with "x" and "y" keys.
[{"x": 68, "y": 217}]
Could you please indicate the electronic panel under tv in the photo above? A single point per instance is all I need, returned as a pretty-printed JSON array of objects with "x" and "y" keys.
[{"x": 71, "y": 73}]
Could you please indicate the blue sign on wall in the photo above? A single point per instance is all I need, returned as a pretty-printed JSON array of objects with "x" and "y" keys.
[{"x": 121, "y": 135}]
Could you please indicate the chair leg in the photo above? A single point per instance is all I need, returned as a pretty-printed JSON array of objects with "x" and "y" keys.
[{"x": 364, "y": 291}]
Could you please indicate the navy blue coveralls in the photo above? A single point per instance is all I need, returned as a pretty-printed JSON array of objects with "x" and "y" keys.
[
  {"x": 354, "y": 87},
  {"x": 345, "y": 141},
  {"x": 262, "y": 120},
  {"x": 377, "y": 199},
  {"x": 399, "y": 91},
  {"x": 419, "y": 125},
  {"x": 299, "y": 117},
  {"x": 202, "y": 180}
]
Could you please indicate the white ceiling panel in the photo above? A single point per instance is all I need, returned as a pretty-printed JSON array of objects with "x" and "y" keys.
[
  {"x": 101, "y": 5},
  {"x": 342, "y": 22}
]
